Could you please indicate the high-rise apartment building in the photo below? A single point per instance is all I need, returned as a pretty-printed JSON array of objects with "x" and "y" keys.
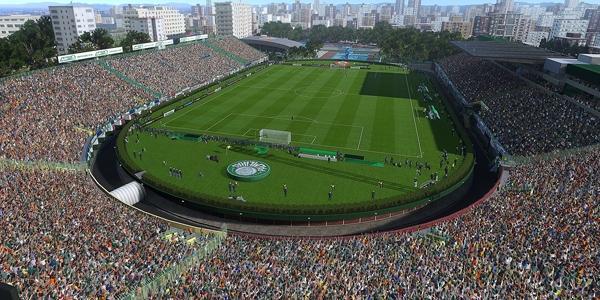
[
  {"x": 399, "y": 7},
  {"x": 512, "y": 26},
  {"x": 568, "y": 27},
  {"x": 233, "y": 19},
  {"x": 159, "y": 22},
  {"x": 11, "y": 24},
  {"x": 571, "y": 3},
  {"x": 415, "y": 6},
  {"x": 465, "y": 28},
  {"x": 69, "y": 22},
  {"x": 504, "y": 6}
]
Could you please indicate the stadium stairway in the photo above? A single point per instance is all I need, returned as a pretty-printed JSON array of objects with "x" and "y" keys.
[
  {"x": 228, "y": 54},
  {"x": 109, "y": 68},
  {"x": 205, "y": 246}
]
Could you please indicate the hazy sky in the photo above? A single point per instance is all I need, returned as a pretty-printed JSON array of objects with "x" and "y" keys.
[{"x": 424, "y": 2}]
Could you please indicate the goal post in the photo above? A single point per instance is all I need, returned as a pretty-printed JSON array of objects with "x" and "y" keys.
[{"x": 275, "y": 136}]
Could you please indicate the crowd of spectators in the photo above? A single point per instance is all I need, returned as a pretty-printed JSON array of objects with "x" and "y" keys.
[
  {"x": 174, "y": 69},
  {"x": 47, "y": 115},
  {"x": 238, "y": 48},
  {"x": 62, "y": 238},
  {"x": 525, "y": 119},
  {"x": 540, "y": 242}
]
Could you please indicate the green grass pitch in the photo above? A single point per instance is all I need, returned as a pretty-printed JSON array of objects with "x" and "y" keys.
[{"x": 374, "y": 112}]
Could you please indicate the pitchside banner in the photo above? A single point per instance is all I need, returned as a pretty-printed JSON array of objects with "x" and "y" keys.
[
  {"x": 88, "y": 55},
  {"x": 143, "y": 46},
  {"x": 193, "y": 38}
]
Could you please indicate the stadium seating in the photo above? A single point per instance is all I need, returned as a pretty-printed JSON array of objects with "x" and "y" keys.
[
  {"x": 61, "y": 237},
  {"x": 186, "y": 66},
  {"x": 525, "y": 120},
  {"x": 239, "y": 49},
  {"x": 519, "y": 244}
]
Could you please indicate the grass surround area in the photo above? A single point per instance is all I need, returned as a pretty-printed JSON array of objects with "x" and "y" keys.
[{"x": 375, "y": 112}]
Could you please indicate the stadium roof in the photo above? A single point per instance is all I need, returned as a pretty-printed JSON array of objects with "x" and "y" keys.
[
  {"x": 507, "y": 51},
  {"x": 268, "y": 41}
]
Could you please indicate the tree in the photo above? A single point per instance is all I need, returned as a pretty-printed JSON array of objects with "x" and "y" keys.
[
  {"x": 31, "y": 47},
  {"x": 96, "y": 40},
  {"x": 277, "y": 29},
  {"x": 134, "y": 37}
]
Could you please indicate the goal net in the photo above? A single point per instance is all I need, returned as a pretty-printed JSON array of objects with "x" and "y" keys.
[{"x": 275, "y": 136}]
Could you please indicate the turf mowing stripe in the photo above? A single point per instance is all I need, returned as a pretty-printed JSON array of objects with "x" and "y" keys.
[
  {"x": 312, "y": 108},
  {"x": 233, "y": 103},
  {"x": 230, "y": 91},
  {"x": 256, "y": 100},
  {"x": 283, "y": 105},
  {"x": 347, "y": 111}
]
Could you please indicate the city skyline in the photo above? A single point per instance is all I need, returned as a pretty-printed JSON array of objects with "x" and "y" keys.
[{"x": 263, "y": 2}]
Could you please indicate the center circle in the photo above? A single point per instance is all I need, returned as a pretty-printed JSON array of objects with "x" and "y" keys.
[{"x": 248, "y": 170}]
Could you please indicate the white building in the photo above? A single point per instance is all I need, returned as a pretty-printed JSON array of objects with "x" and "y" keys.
[
  {"x": 154, "y": 27},
  {"x": 534, "y": 38},
  {"x": 11, "y": 24},
  {"x": 69, "y": 22},
  {"x": 233, "y": 19},
  {"x": 571, "y": 3},
  {"x": 545, "y": 20},
  {"x": 171, "y": 21},
  {"x": 561, "y": 27}
]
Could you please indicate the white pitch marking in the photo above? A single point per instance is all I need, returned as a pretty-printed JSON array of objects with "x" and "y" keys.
[{"x": 413, "y": 115}]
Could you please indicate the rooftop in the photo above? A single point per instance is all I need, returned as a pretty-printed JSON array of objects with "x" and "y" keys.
[
  {"x": 272, "y": 41},
  {"x": 507, "y": 51}
]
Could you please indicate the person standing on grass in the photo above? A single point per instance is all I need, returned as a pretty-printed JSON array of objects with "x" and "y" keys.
[
  {"x": 330, "y": 195},
  {"x": 285, "y": 190},
  {"x": 373, "y": 195}
]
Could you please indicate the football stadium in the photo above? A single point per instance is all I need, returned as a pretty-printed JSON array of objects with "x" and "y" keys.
[{"x": 201, "y": 167}]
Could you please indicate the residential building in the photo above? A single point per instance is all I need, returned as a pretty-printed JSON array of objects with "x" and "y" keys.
[
  {"x": 171, "y": 21},
  {"x": 69, "y": 22},
  {"x": 11, "y": 24},
  {"x": 233, "y": 18},
  {"x": 562, "y": 27},
  {"x": 481, "y": 25},
  {"x": 512, "y": 26},
  {"x": 465, "y": 28},
  {"x": 504, "y": 6},
  {"x": 415, "y": 5},
  {"x": 534, "y": 38},
  {"x": 571, "y": 3},
  {"x": 593, "y": 30},
  {"x": 545, "y": 20},
  {"x": 399, "y": 8},
  {"x": 154, "y": 27}
]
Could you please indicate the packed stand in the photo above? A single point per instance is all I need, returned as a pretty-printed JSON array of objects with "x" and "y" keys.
[
  {"x": 516, "y": 245},
  {"x": 525, "y": 120},
  {"x": 174, "y": 69},
  {"x": 62, "y": 238},
  {"x": 472, "y": 77},
  {"x": 48, "y": 115},
  {"x": 239, "y": 48}
]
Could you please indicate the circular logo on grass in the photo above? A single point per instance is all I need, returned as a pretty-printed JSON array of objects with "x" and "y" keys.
[{"x": 248, "y": 170}]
